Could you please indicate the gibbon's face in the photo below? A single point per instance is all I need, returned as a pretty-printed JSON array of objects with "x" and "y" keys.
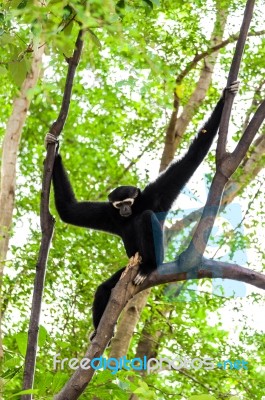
[{"x": 123, "y": 198}]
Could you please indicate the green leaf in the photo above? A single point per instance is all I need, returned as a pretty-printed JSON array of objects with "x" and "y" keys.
[
  {"x": 42, "y": 336},
  {"x": 68, "y": 29},
  {"x": 62, "y": 345},
  {"x": 11, "y": 372},
  {"x": 149, "y": 3},
  {"x": 22, "y": 4},
  {"x": 202, "y": 397},
  {"x": 120, "y": 4},
  {"x": 94, "y": 38},
  {"x": 22, "y": 339},
  {"x": 28, "y": 391},
  {"x": 6, "y": 38},
  {"x": 18, "y": 71},
  {"x": 179, "y": 91},
  {"x": 3, "y": 70}
]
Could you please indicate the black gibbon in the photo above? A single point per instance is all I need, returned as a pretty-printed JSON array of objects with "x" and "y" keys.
[{"x": 130, "y": 212}]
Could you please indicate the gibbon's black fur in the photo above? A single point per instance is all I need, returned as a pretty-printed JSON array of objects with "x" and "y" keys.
[{"x": 131, "y": 213}]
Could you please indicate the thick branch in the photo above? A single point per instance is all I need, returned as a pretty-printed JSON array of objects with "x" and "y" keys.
[
  {"x": 126, "y": 327},
  {"x": 206, "y": 269},
  {"x": 47, "y": 225},
  {"x": 124, "y": 290},
  {"x": 10, "y": 150}
]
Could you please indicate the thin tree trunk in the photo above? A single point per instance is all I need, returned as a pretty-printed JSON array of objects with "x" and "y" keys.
[
  {"x": 8, "y": 165},
  {"x": 47, "y": 223}
]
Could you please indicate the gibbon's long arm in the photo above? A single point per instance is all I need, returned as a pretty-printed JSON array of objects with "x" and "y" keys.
[
  {"x": 95, "y": 215},
  {"x": 169, "y": 183}
]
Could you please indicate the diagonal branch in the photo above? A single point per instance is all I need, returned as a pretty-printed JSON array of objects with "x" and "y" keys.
[
  {"x": 192, "y": 64},
  {"x": 250, "y": 168},
  {"x": 248, "y": 136},
  {"x": 225, "y": 167},
  {"x": 124, "y": 291},
  {"x": 233, "y": 74}
]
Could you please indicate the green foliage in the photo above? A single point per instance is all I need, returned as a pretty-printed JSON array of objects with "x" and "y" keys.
[{"x": 121, "y": 103}]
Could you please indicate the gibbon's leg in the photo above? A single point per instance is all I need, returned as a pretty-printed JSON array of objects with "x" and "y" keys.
[
  {"x": 150, "y": 239},
  {"x": 101, "y": 298}
]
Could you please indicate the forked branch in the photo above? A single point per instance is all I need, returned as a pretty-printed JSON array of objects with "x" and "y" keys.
[{"x": 226, "y": 164}]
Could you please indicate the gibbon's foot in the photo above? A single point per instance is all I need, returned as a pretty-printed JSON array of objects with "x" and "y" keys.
[
  {"x": 50, "y": 139},
  {"x": 129, "y": 266},
  {"x": 133, "y": 262},
  {"x": 92, "y": 335},
  {"x": 140, "y": 277},
  {"x": 233, "y": 88}
]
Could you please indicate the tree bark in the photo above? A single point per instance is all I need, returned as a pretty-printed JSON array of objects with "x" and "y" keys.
[
  {"x": 47, "y": 224},
  {"x": 125, "y": 290},
  {"x": 126, "y": 326},
  {"x": 10, "y": 150}
]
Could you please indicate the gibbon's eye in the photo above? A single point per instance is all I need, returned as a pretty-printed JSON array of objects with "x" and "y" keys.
[
  {"x": 117, "y": 204},
  {"x": 126, "y": 202}
]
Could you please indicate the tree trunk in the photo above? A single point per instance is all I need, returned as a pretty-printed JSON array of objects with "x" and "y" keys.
[{"x": 8, "y": 166}]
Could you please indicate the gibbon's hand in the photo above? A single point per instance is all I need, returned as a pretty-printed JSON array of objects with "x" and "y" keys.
[
  {"x": 51, "y": 139},
  {"x": 233, "y": 88}
]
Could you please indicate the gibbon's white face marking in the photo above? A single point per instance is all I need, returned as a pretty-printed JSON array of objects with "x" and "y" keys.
[
  {"x": 124, "y": 206},
  {"x": 118, "y": 204}
]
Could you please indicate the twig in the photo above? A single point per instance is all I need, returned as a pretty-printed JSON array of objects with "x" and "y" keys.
[{"x": 192, "y": 64}]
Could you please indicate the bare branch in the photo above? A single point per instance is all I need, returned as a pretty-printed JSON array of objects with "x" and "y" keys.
[
  {"x": 248, "y": 136},
  {"x": 249, "y": 169},
  {"x": 207, "y": 269},
  {"x": 124, "y": 290},
  {"x": 47, "y": 225},
  {"x": 192, "y": 64},
  {"x": 233, "y": 74},
  {"x": 200, "y": 239}
]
